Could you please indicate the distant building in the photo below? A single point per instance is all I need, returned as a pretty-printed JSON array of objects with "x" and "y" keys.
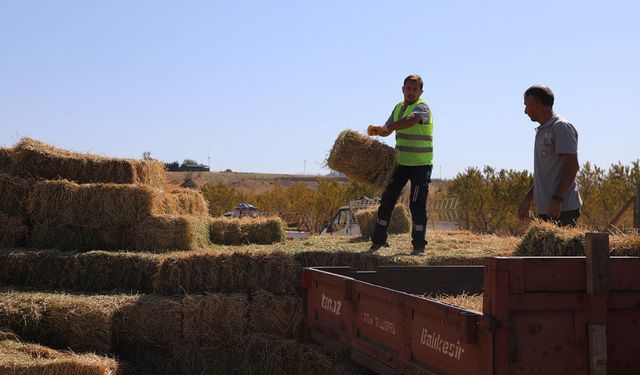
[{"x": 194, "y": 167}]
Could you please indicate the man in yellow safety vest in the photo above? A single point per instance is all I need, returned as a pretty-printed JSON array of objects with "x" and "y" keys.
[{"x": 412, "y": 122}]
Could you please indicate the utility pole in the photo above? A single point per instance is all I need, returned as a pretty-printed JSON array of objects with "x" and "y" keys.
[
  {"x": 209, "y": 158},
  {"x": 304, "y": 170}
]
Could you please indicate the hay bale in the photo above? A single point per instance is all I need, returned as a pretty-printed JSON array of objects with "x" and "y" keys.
[
  {"x": 242, "y": 231},
  {"x": 13, "y": 231},
  {"x": 187, "y": 334},
  {"x": 5, "y": 160},
  {"x": 64, "y": 202},
  {"x": 269, "y": 354},
  {"x": 625, "y": 244},
  {"x": 213, "y": 326},
  {"x": 181, "y": 201},
  {"x": 276, "y": 315},
  {"x": 14, "y": 193},
  {"x": 400, "y": 220},
  {"x": 161, "y": 233},
  {"x": 362, "y": 159},
  {"x": 547, "y": 239},
  {"x": 264, "y": 230},
  {"x": 93, "y": 271},
  {"x": 32, "y": 359},
  {"x": 38, "y": 159},
  {"x": 226, "y": 231},
  {"x": 238, "y": 271},
  {"x": 81, "y": 323}
]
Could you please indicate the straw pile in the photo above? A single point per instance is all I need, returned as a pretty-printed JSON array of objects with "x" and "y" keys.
[
  {"x": 34, "y": 158},
  {"x": 242, "y": 231},
  {"x": 74, "y": 216},
  {"x": 31, "y": 359},
  {"x": 546, "y": 239},
  {"x": 362, "y": 159},
  {"x": 400, "y": 221}
]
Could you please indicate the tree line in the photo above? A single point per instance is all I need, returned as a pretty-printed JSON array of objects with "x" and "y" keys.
[{"x": 488, "y": 198}]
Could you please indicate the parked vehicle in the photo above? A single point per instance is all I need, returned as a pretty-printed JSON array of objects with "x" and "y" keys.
[
  {"x": 344, "y": 221},
  {"x": 539, "y": 316},
  {"x": 243, "y": 210}
]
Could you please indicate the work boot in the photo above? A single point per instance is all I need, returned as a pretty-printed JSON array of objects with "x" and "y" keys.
[
  {"x": 418, "y": 250},
  {"x": 376, "y": 246}
]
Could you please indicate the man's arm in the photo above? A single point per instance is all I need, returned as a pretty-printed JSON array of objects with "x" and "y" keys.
[
  {"x": 400, "y": 124},
  {"x": 570, "y": 167},
  {"x": 525, "y": 205}
]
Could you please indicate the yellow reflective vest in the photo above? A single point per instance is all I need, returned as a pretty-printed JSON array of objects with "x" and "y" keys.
[{"x": 414, "y": 144}]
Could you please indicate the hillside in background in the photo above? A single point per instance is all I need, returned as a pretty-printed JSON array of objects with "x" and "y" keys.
[{"x": 256, "y": 182}]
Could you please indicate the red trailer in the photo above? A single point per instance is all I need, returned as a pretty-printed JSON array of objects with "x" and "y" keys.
[{"x": 560, "y": 315}]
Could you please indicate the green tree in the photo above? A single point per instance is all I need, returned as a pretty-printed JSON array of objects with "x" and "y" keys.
[
  {"x": 488, "y": 199},
  {"x": 221, "y": 197}
]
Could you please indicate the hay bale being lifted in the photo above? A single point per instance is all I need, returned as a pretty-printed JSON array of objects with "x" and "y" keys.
[
  {"x": 400, "y": 221},
  {"x": 362, "y": 159},
  {"x": 38, "y": 159}
]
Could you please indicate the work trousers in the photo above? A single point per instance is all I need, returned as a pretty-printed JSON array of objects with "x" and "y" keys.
[
  {"x": 420, "y": 177},
  {"x": 566, "y": 219}
]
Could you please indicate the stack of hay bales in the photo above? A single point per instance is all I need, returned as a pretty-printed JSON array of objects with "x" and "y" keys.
[
  {"x": 400, "y": 221},
  {"x": 75, "y": 201},
  {"x": 546, "y": 239},
  {"x": 217, "y": 311},
  {"x": 30, "y": 157},
  {"x": 362, "y": 159},
  {"x": 224, "y": 333}
]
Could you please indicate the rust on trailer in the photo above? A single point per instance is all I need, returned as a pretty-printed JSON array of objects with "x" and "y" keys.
[{"x": 538, "y": 317}]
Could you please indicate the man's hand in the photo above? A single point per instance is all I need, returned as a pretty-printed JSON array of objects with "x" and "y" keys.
[
  {"x": 523, "y": 209},
  {"x": 553, "y": 210},
  {"x": 375, "y": 130}
]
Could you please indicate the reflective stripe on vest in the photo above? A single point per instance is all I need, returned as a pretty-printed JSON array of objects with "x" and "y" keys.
[{"x": 414, "y": 144}]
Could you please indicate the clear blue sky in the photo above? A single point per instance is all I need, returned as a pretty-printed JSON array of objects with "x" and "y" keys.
[{"x": 267, "y": 86}]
